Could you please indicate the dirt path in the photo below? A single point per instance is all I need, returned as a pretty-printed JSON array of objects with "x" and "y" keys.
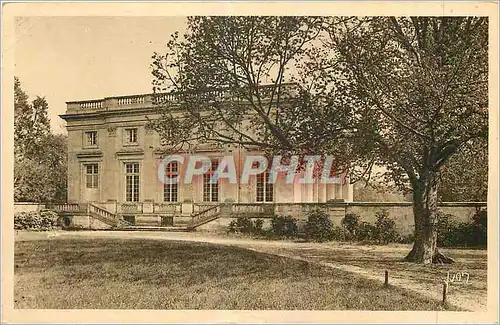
[{"x": 367, "y": 261}]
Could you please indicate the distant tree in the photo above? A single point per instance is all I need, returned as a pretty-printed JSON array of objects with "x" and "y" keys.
[
  {"x": 31, "y": 122},
  {"x": 423, "y": 84},
  {"x": 40, "y": 157}
]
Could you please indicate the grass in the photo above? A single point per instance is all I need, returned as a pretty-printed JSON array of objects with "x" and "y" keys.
[
  {"x": 390, "y": 257},
  {"x": 150, "y": 274}
]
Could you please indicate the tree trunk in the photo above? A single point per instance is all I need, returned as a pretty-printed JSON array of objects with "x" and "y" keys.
[{"x": 425, "y": 212}]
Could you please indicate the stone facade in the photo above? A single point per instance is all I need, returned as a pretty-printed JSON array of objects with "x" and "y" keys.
[{"x": 109, "y": 141}]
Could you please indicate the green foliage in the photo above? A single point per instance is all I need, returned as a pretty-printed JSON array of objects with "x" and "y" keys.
[
  {"x": 407, "y": 239},
  {"x": 393, "y": 65},
  {"x": 480, "y": 224},
  {"x": 319, "y": 227},
  {"x": 462, "y": 234},
  {"x": 40, "y": 157},
  {"x": 226, "y": 61},
  {"x": 36, "y": 220},
  {"x": 386, "y": 231},
  {"x": 465, "y": 176},
  {"x": 340, "y": 234},
  {"x": 246, "y": 226},
  {"x": 366, "y": 232},
  {"x": 31, "y": 122},
  {"x": 43, "y": 178},
  {"x": 409, "y": 124},
  {"x": 284, "y": 226},
  {"x": 350, "y": 222},
  {"x": 258, "y": 226}
]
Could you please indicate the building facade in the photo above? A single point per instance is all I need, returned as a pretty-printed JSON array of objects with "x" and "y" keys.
[{"x": 113, "y": 161}]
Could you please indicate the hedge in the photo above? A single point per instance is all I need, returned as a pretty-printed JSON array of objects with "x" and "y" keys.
[
  {"x": 36, "y": 220},
  {"x": 319, "y": 227}
]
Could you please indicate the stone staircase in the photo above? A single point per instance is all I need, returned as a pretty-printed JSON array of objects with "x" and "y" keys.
[
  {"x": 105, "y": 216},
  {"x": 204, "y": 217},
  {"x": 89, "y": 209},
  {"x": 155, "y": 228},
  {"x": 117, "y": 223}
]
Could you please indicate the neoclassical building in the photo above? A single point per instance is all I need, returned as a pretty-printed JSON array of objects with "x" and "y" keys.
[{"x": 113, "y": 161}]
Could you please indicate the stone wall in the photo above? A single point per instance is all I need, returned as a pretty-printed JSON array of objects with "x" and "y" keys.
[
  {"x": 88, "y": 222},
  {"x": 400, "y": 212},
  {"x": 27, "y": 207}
]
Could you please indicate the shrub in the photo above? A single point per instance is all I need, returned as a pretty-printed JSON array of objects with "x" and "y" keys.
[
  {"x": 366, "y": 232},
  {"x": 480, "y": 228},
  {"x": 463, "y": 234},
  {"x": 456, "y": 236},
  {"x": 258, "y": 226},
  {"x": 36, "y": 220},
  {"x": 407, "y": 239},
  {"x": 385, "y": 228},
  {"x": 284, "y": 226},
  {"x": 340, "y": 234},
  {"x": 447, "y": 232},
  {"x": 319, "y": 227},
  {"x": 246, "y": 226},
  {"x": 350, "y": 222},
  {"x": 241, "y": 225}
]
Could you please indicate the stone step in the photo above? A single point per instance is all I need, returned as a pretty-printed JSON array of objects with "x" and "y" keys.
[{"x": 153, "y": 228}]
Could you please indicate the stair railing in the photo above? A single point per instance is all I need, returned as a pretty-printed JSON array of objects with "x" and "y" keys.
[{"x": 203, "y": 216}]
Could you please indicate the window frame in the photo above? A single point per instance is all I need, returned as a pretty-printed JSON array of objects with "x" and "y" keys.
[
  {"x": 91, "y": 171},
  {"x": 264, "y": 189},
  {"x": 211, "y": 191},
  {"x": 171, "y": 190},
  {"x": 131, "y": 132},
  {"x": 132, "y": 181},
  {"x": 94, "y": 140}
]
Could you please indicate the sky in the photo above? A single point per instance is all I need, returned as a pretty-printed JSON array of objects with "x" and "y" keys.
[{"x": 78, "y": 58}]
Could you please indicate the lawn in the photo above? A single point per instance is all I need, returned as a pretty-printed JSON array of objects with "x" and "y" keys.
[
  {"x": 377, "y": 258},
  {"x": 104, "y": 273}
]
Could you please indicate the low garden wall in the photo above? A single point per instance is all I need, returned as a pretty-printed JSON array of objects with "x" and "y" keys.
[
  {"x": 402, "y": 212},
  {"x": 27, "y": 207}
]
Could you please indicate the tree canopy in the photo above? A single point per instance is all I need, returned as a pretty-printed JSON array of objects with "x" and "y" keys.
[
  {"x": 236, "y": 79},
  {"x": 424, "y": 84},
  {"x": 40, "y": 157}
]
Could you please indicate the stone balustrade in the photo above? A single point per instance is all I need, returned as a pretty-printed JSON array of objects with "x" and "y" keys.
[
  {"x": 92, "y": 104},
  {"x": 149, "y": 100}
]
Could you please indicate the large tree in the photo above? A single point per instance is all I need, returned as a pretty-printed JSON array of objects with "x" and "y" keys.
[
  {"x": 424, "y": 80},
  {"x": 31, "y": 122},
  {"x": 40, "y": 157},
  {"x": 405, "y": 93}
]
